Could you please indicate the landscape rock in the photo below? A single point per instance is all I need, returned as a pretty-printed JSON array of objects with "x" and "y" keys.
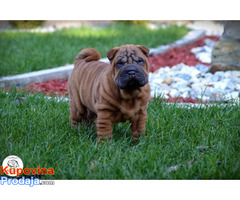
[
  {"x": 168, "y": 80},
  {"x": 218, "y": 76},
  {"x": 184, "y": 76},
  {"x": 210, "y": 43},
  {"x": 232, "y": 95},
  {"x": 174, "y": 93},
  {"x": 226, "y": 52},
  {"x": 216, "y": 96},
  {"x": 202, "y": 68},
  {"x": 220, "y": 85},
  {"x": 203, "y": 53}
]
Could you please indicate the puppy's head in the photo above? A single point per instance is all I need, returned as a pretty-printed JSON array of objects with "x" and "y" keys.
[{"x": 129, "y": 66}]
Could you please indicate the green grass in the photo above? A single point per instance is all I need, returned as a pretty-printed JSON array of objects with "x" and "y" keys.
[
  {"x": 38, "y": 131},
  {"x": 22, "y": 52}
]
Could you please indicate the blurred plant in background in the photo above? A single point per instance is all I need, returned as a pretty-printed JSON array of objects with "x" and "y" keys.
[
  {"x": 132, "y": 22},
  {"x": 26, "y": 24}
]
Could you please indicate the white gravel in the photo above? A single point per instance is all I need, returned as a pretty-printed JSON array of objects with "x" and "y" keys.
[{"x": 195, "y": 81}]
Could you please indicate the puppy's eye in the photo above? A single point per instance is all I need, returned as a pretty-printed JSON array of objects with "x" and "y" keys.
[
  {"x": 140, "y": 62},
  {"x": 119, "y": 64}
]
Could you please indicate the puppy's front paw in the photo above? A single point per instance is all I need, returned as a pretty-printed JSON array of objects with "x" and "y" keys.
[{"x": 102, "y": 137}]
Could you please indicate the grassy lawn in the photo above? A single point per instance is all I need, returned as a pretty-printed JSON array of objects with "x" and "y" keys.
[
  {"x": 37, "y": 130},
  {"x": 22, "y": 52}
]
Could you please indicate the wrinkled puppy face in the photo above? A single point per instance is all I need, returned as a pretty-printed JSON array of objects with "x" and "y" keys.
[{"x": 129, "y": 66}]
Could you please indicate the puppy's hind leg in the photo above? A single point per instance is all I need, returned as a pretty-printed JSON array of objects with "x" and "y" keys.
[
  {"x": 77, "y": 110},
  {"x": 75, "y": 114}
]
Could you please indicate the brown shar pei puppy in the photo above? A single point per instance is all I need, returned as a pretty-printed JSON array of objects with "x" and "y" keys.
[{"x": 113, "y": 92}]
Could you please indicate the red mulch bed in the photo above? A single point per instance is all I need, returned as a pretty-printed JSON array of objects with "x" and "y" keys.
[
  {"x": 54, "y": 87},
  {"x": 170, "y": 58},
  {"x": 184, "y": 100},
  {"x": 179, "y": 55}
]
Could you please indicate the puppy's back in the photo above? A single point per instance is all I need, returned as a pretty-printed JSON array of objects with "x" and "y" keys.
[{"x": 84, "y": 81}]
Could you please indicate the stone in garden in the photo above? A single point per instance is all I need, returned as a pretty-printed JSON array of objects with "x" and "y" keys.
[
  {"x": 184, "y": 89},
  {"x": 165, "y": 86},
  {"x": 209, "y": 91},
  {"x": 218, "y": 76},
  {"x": 185, "y": 94},
  {"x": 236, "y": 74},
  {"x": 216, "y": 96},
  {"x": 232, "y": 95},
  {"x": 184, "y": 76},
  {"x": 203, "y": 54},
  {"x": 174, "y": 93},
  {"x": 210, "y": 43},
  {"x": 179, "y": 86},
  {"x": 237, "y": 87},
  {"x": 193, "y": 71},
  {"x": 226, "y": 52},
  {"x": 180, "y": 81},
  {"x": 202, "y": 68},
  {"x": 203, "y": 98},
  {"x": 198, "y": 87},
  {"x": 157, "y": 81},
  {"x": 208, "y": 76},
  {"x": 230, "y": 84},
  {"x": 220, "y": 85},
  {"x": 168, "y": 80},
  {"x": 166, "y": 69},
  {"x": 194, "y": 79},
  {"x": 228, "y": 74},
  {"x": 178, "y": 67},
  {"x": 192, "y": 93}
]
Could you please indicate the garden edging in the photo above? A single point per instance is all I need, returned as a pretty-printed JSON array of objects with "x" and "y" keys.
[{"x": 63, "y": 72}]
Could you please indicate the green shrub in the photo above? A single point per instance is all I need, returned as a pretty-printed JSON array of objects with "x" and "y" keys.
[
  {"x": 133, "y": 22},
  {"x": 26, "y": 24}
]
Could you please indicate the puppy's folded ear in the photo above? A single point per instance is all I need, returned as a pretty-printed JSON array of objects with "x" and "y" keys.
[
  {"x": 112, "y": 53},
  {"x": 144, "y": 49}
]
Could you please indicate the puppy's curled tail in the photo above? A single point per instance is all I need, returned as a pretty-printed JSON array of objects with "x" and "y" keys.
[{"x": 88, "y": 55}]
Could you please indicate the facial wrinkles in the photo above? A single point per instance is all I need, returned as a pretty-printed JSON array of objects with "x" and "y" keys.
[
  {"x": 124, "y": 59},
  {"x": 135, "y": 58},
  {"x": 129, "y": 56}
]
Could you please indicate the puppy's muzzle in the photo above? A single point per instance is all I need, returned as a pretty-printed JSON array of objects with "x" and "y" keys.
[{"x": 131, "y": 76}]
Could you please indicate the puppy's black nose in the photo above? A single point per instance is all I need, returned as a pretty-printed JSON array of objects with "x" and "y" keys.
[{"x": 131, "y": 73}]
